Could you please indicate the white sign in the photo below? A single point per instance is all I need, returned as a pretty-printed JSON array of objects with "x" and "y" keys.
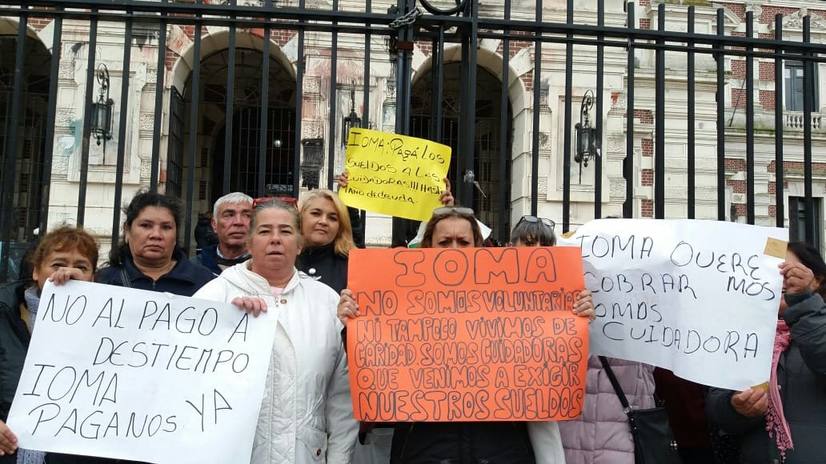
[
  {"x": 139, "y": 375},
  {"x": 697, "y": 297}
]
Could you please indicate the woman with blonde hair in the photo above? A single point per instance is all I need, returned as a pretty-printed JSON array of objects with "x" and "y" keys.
[{"x": 328, "y": 238}]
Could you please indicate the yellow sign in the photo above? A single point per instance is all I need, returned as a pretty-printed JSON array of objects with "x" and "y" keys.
[{"x": 394, "y": 174}]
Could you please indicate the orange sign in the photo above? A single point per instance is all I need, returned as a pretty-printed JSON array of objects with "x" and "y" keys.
[{"x": 476, "y": 334}]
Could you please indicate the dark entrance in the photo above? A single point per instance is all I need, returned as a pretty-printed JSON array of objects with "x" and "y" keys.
[
  {"x": 20, "y": 199},
  {"x": 486, "y": 143}
]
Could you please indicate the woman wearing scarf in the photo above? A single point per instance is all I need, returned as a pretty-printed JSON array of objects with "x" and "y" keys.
[
  {"x": 64, "y": 253},
  {"x": 786, "y": 422}
]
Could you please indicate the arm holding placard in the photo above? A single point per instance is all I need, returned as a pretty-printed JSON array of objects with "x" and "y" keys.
[{"x": 342, "y": 428}]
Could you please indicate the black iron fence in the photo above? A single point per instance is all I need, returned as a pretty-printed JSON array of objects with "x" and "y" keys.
[{"x": 265, "y": 121}]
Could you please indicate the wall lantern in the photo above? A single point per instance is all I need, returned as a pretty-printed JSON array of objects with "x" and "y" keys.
[
  {"x": 102, "y": 109},
  {"x": 351, "y": 120},
  {"x": 586, "y": 136}
]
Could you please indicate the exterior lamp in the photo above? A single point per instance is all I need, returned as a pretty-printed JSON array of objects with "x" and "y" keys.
[
  {"x": 351, "y": 120},
  {"x": 102, "y": 109},
  {"x": 586, "y": 136}
]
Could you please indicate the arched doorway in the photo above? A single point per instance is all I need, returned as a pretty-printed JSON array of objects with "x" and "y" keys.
[
  {"x": 486, "y": 202},
  {"x": 21, "y": 199},
  {"x": 245, "y": 140}
]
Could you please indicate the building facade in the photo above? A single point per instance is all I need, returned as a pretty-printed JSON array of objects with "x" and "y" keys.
[{"x": 317, "y": 80}]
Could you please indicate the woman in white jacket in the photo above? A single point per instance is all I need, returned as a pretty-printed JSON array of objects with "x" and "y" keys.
[{"x": 306, "y": 415}]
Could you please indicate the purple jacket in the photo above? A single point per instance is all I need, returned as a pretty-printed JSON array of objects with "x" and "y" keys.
[{"x": 601, "y": 434}]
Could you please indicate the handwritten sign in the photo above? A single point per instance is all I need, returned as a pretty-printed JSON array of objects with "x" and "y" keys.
[
  {"x": 394, "y": 174},
  {"x": 478, "y": 334},
  {"x": 138, "y": 375},
  {"x": 697, "y": 297}
]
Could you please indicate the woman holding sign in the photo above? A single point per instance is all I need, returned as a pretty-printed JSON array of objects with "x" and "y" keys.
[
  {"x": 495, "y": 442},
  {"x": 306, "y": 414},
  {"x": 63, "y": 254},
  {"x": 785, "y": 421}
]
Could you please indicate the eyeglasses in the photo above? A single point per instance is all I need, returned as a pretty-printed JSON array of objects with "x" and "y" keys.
[
  {"x": 533, "y": 220},
  {"x": 457, "y": 210}
]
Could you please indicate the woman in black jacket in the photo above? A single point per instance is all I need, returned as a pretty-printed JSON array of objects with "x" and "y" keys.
[
  {"x": 793, "y": 407},
  {"x": 149, "y": 258},
  {"x": 64, "y": 253},
  {"x": 328, "y": 238}
]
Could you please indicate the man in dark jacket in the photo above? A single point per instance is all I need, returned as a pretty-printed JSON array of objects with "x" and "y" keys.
[{"x": 231, "y": 216}]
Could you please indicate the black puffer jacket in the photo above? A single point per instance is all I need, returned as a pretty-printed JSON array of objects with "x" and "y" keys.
[
  {"x": 14, "y": 342},
  {"x": 801, "y": 375},
  {"x": 462, "y": 443},
  {"x": 324, "y": 264}
]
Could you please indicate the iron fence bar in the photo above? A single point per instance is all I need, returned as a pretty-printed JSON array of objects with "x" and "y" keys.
[
  {"x": 779, "y": 201},
  {"x": 622, "y": 35},
  {"x": 199, "y": 11},
  {"x": 88, "y": 97},
  {"x": 623, "y": 44},
  {"x": 406, "y": 35},
  {"x": 10, "y": 161},
  {"x": 468, "y": 156},
  {"x": 628, "y": 161},
  {"x": 54, "y": 68},
  {"x": 461, "y": 147},
  {"x": 691, "y": 116},
  {"x": 504, "y": 135},
  {"x": 158, "y": 117},
  {"x": 600, "y": 113},
  {"x": 435, "y": 96},
  {"x": 808, "y": 99},
  {"x": 403, "y": 59},
  {"x": 331, "y": 146},
  {"x": 229, "y": 110},
  {"x": 749, "y": 123},
  {"x": 721, "y": 122},
  {"x": 193, "y": 133},
  {"x": 195, "y": 10},
  {"x": 438, "y": 77},
  {"x": 365, "y": 116},
  {"x": 124, "y": 113},
  {"x": 299, "y": 106},
  {"x": 537, "y": 75},
  {"x": 264, "y": 143},
  {"x": 659, "y": 124},
  {"x": 566, "y": 150}
]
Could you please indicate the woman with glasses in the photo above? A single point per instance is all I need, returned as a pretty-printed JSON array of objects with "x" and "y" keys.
[
  {"x": 477, "y": 442},
  {"x": 533, "y": 231}
]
